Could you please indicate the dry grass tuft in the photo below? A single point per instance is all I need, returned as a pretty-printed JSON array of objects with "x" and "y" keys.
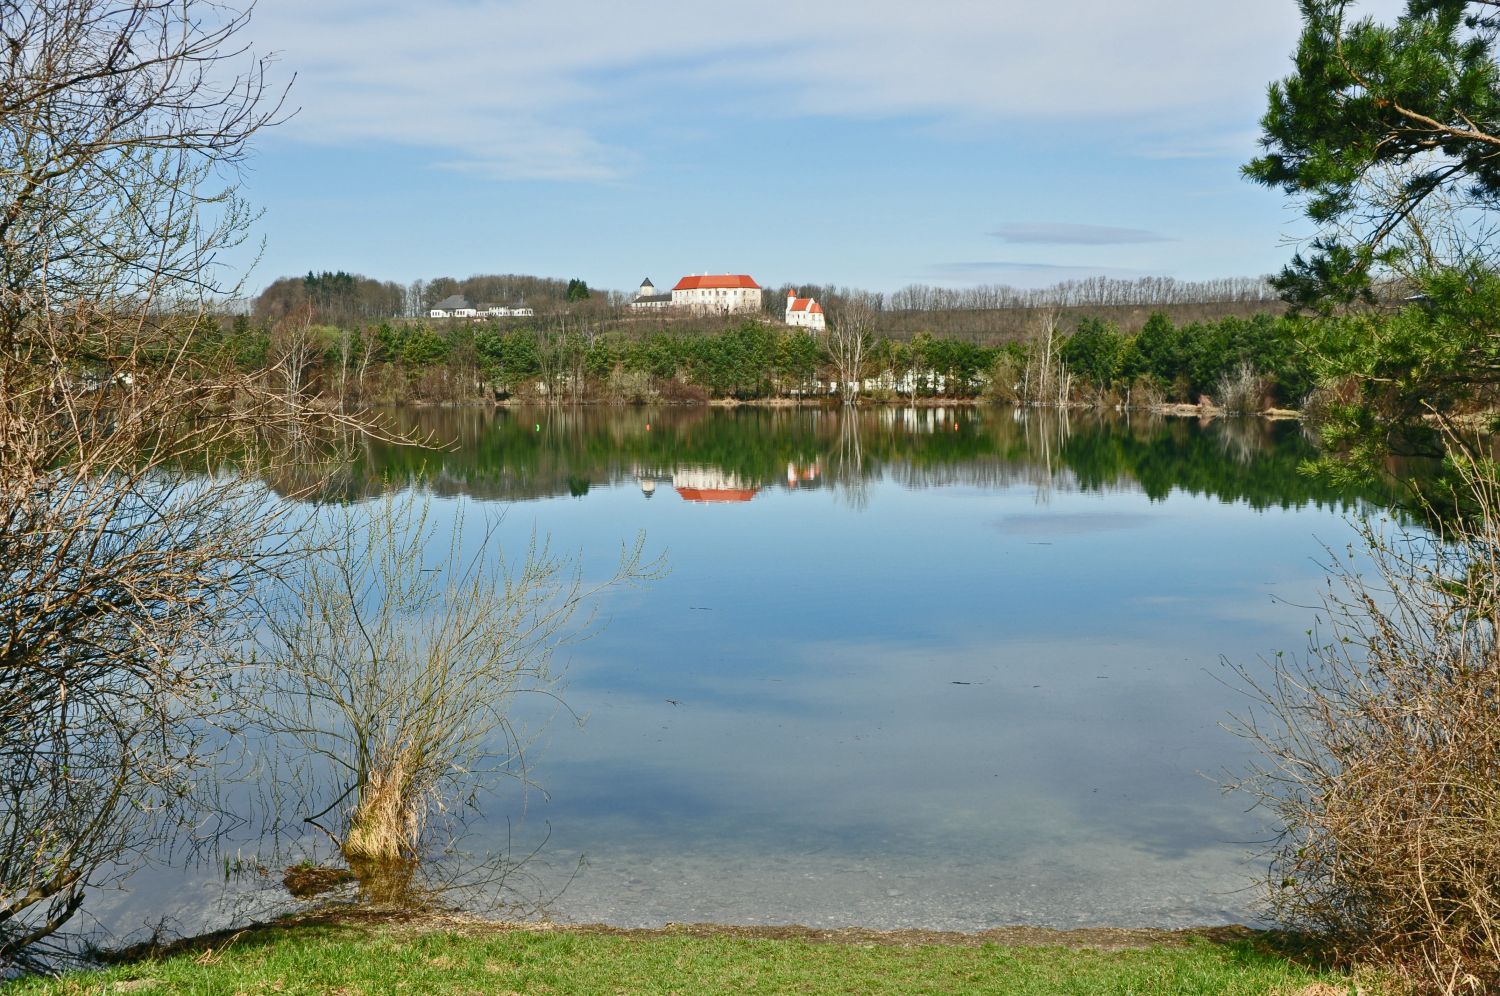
[
  {"x": 383, "y": 843},
  {"x": 1242, "y": 391},
  {"x": 1320, "y": 989},
  {"x": 387, "y": 820}
]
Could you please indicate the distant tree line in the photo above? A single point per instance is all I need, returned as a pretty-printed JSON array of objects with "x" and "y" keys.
[
  {"x": 1244, "y": 364},
  {"x": 1240, "y": 363},
  {"x": 336, "y": 298},
  {"x": 997, "y": 311},
  {"x": 1150, "y": 292},
  {"x": 345, "y": 299},
  {"x": 509, "y": 289},
  {"x": 331, "y": 336},
  {"x": 1090, "y": 292}
]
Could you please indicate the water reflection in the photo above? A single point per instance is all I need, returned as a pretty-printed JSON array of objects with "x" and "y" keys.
[
  {"x": 923, "y": 667},
  {"x": 705, "y": 485},
  {"x": 912, "y": 667},
  {"x": 718, "y": 455}
]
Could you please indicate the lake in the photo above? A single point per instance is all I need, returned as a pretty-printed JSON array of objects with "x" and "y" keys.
[{"x": 937, "y": 668}]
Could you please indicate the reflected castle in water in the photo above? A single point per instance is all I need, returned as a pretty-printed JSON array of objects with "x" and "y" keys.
[
  {"x": 710, "y": 485},
  {"x": 711, "y": 456}
]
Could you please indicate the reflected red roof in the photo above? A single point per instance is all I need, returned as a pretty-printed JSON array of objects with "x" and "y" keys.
[
  {"x": 716, "y": 494},
  {"x": 714, "y": 281}
]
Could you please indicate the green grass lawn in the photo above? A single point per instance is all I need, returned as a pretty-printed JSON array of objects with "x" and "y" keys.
[{"x": 407, "y": 958}]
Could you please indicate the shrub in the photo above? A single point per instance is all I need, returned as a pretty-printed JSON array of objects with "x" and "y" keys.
[
  {"x": 629, "y": 387},
  {"x": 1241, "y": 391},
  {"x": 1382, "y": 754},
  {"x": 1145, "y": 392},
  {"x": 673, "y": 390},
  {"x": 1005, "y": 379},
  {"x": 395, "y": 667}
]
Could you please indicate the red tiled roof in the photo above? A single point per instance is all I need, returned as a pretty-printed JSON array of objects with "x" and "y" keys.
[
  {"x": 713, "y": 281},
  {"x": 815, "y": 308},
  {"x": 806, "y": 304}
]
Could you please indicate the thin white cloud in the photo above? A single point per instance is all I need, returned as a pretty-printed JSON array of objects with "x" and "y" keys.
[
  {"x": 1054, "y": 233},
  {"x": 1020, "y": 273},
  {"x": 1236, "y": 145},
  {"x": 970, "y": 266},
  {"x": 553, "y": 88}
]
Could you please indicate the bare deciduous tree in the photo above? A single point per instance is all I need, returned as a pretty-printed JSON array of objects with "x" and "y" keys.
[
  {"x": 851, "y": 330},
  {"x": 295, "y": 345},
  {"x": 1046, "y": 380},
  {"x": 122, "y": 559},
  {"x": 396, "y": 670}
]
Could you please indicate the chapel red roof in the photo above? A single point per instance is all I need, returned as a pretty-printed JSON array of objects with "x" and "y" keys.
[{"x": 714, "y": 281}]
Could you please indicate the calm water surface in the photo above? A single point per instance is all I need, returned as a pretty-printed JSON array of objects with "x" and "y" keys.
[{"x": 916, "y": 668}]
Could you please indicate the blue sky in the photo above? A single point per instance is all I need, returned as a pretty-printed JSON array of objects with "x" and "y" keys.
[{"x": 872, "y": 144}]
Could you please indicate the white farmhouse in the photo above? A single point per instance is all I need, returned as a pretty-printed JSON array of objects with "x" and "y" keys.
[
  {"x": 804, "y": 312},
  {"x": 716, "y": 293},
  {"x": 453, "y": 306},
  {"x": 458, "y": 306}
]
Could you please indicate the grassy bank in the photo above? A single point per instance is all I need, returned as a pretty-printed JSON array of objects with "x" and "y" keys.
[{"x": 456, "y": 956}]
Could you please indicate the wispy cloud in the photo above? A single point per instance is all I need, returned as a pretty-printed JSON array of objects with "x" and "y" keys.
[
  {"x": 563, "y": 88},
  {"x": 1053, "y": 233},
  {"x": 1025, "y": 273},
  {"x": 972, "y": 266},
  {"x": 1233, "y": 145}
]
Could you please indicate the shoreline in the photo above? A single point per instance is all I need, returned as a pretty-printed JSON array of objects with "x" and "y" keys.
[
  {"x": 1169, "y": 410},
  {"x": 412, "y": 921}
]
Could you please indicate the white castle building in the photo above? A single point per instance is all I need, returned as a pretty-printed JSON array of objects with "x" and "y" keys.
[{"x": 717, "y": 293}]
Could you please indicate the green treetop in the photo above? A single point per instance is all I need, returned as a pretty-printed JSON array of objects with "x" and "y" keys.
[
  {"x": 1376, "y": 120},
  {"x": 1389, "y": 134}
]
